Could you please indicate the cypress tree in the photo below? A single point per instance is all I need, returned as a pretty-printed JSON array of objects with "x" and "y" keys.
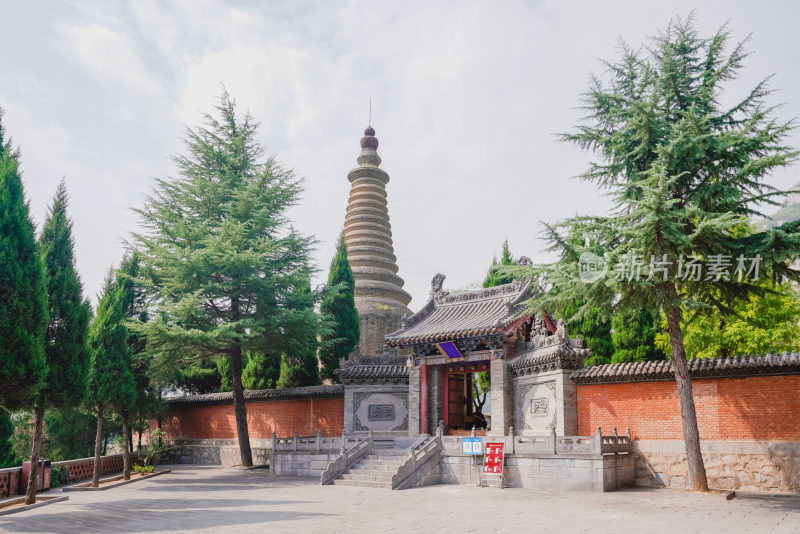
[
  {"x": 495, "y": 276},
  {"x": 262, "y": 370},
  {"x": 299, "y": 363},
  {"x": 7, "y": 456},
  {"x": 634, "y": 336},
  {"x": 23, "y": 298},
  {"x": 146, "y": 404},
  {"x": 66, "y": 346},
  {"x": 339, "y": 303},
  {"x": 112, "y": 385}
]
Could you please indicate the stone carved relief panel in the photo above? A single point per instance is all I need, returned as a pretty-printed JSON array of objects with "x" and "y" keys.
[
  {"x": 536, "y": 408},
  {"x": 380, "y": 412},
  {"x": 539, "y": 407}
]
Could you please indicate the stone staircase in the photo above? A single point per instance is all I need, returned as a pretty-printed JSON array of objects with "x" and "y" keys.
[{"x": 375, "y": 470}]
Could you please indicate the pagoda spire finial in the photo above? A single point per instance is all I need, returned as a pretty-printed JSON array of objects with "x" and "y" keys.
[{"x": 369, "y": 148}]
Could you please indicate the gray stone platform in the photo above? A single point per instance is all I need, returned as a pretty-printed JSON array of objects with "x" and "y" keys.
[{"x": 218, "y": 500}]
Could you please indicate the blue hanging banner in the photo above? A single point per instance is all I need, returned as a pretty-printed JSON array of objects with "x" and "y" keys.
[{"x": 449, "y": 350}]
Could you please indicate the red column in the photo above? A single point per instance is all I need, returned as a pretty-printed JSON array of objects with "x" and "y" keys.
[
  {"x": 423, "y": 399},
  {"x": 446, "y": 397}
]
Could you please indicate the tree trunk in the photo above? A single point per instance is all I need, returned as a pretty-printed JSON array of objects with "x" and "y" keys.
[
  {"x": 126, "y": 458},
  {"x": 691, "y": 434},
  {"x": 30, "y": 495},
  {"x": 98, "y": 447},
  {"x": 239, "y": 408}
]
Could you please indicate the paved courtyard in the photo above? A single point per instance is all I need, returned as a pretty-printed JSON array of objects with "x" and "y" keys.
[{"x": 196, "y": 499}]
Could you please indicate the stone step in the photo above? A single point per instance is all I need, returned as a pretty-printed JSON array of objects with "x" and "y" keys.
[
  {"x": 340, "y": 482},
  {"x": 388, "y": 452},
  {"x": 372, "y": 464},
  {"x": 373, "y": 472},
  {"x": 367, "y": 478},
  {"x": 376, "y": 466}
]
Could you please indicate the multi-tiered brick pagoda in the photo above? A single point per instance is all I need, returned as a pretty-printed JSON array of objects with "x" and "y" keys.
[{"x": 380, "y": 298}]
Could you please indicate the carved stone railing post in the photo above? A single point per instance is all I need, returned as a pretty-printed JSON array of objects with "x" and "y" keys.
[
  {"x": 344, "y": 444},
  {"x": 616, "y": 440},
  {"x": 319, "y": 440},
  {"x": 598, "y": 441},
  {"x": 555, "y": 447},
  {"x": 511, "y": 433},
  {"x": 296, "y": 439},
  {"x": 274, "y": 441}
]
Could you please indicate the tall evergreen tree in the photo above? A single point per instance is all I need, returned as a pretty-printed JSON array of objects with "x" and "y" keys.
[
  {"x": 23, "y": 298},
  {"x": 340, "y": 304},
  {"x": 634, "y": 336},
  {"x": 66, "y": 347},
  {"x": 134, "y": 306},
  {"x": 299, "y": 363},
  {"x": 496, "y": 276},
  {"x": 7, "y": 456},
  {"x": 593, "y": 327},
  {"x": 112, "y": 386},
  {"x": 685, "y": 173},
  {"x": 221, "y": 255},
  {"x": 261, "y": 371}
]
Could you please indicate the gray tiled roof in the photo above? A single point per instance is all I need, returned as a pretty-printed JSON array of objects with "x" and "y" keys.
[
  {"x": 374, "y": 370},
  {"x": 771, "y": 364},
  {"x": 334, "y": 390},
  {"x": 448, "y": 317},
  {"x": 547, "y": 354}
]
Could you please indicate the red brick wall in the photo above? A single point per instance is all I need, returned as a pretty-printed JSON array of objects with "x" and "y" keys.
[
  {"x": 216, "y": 421},
  {"x": 763, "y": 408}
]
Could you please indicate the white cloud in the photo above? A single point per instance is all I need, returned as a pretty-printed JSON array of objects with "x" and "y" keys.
[
  {"x": 107, "y": 56},
  {"x": 467, "y": 97}
]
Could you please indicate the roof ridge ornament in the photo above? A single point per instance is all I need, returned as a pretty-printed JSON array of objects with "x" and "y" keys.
[{"x": 437, "y": 291}]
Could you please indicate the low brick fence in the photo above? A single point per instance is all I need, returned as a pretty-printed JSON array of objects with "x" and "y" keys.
[{"x": 80, "y": 469}]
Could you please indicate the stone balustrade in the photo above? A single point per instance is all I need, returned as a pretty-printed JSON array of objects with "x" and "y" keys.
[
  {"x": 76, "y": 470},
  {"x": 552, "y": 445}
]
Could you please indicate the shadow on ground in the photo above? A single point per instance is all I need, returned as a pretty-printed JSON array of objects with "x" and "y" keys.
[
  {"x": 775, "y": 502},
  {"x": 141, "y": 515}
]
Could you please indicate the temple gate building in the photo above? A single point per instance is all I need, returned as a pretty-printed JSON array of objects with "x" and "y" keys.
[{"x": 404, "y": 404}]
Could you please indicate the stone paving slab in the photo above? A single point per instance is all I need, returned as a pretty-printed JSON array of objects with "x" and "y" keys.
[{"x": 218, "y": 500}]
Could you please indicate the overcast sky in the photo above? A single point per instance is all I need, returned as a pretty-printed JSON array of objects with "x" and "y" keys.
[{"x": 467, "y": 97}]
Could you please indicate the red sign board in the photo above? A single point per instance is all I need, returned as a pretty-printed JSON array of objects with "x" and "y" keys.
[{"x": 493, "y": 458}]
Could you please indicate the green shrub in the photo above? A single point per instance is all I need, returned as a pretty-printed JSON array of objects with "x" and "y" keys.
[
  {"x": 58, "y": 475},
  {"x": 143, "y": 469},
  {"x": 151, "y": 454}
]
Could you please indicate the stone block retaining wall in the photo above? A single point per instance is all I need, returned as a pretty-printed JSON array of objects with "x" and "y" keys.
[
  {"x": 733, "y": 465},
  {"x": 601, "y": 473},
  {"x": 301, "y": 463}
]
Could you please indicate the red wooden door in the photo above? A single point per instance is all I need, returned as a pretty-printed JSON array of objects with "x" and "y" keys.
[{"x": 456, "y": 401}]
